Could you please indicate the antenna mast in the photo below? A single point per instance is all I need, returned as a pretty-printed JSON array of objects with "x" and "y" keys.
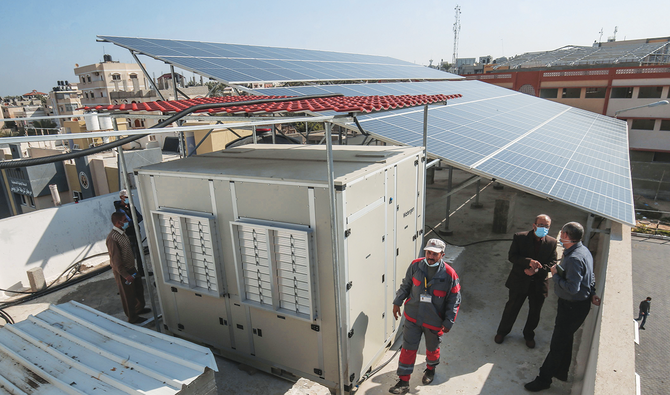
[
  {"x": 457, "y": 29},
  {"x": 600, "y": 39}
]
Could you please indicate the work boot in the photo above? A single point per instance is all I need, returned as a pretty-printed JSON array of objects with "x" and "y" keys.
[
  {"x": 402, "y": 387},
  {"x": 537, "y": 385},
  {"x": 428, "y": 376}
]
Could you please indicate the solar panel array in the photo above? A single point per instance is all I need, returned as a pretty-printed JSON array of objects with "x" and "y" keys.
[
  {"x": 606, "y": 53},
  {"x": 546, "y": 148},
  {"x": 241, "y": 64}
]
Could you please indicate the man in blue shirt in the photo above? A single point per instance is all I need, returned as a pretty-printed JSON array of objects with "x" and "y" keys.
[{"x": 575, "y": 286}]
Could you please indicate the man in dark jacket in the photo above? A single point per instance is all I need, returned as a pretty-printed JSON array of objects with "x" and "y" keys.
[
  {"x": 575, "y": 286},
  {"x": 532, "y": 253},
  {"x": 122, "y": 206},
  {"x": 645, "y": 307},
  {"x": 432, "y": 295}
]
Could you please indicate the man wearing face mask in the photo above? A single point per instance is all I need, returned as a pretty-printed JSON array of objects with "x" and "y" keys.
[
  {"x": 575, "y": 286},
  {"x": 432, "y": 295},
  {"x": 123, "y": 266},
  {"x": 122, "y": 206},
  {"x": 532, "y": 254}
]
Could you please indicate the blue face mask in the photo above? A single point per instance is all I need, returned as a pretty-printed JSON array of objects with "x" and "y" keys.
[
  {"x": 433, "y": 265},
  {"x": 541, "y": 232},
  {"x": 125, "y": 200},
  {"x": 125, "y": 225}
]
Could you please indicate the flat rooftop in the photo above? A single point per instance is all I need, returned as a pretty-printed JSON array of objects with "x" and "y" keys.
[{"x": 470, "y": 360}]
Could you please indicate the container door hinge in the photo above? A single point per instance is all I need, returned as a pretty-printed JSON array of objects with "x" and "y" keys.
[
  {"x": 347, "y": 232},
  {"x": 397, "y": 251},
  {"x": 318, "y": 372},
  {"x": 180, "y": 327},
  {"x": 382, "y": 278},
  {"x": 173, "y": 289},
  {"x": 351, "y": 333},
  {"x": 352, "y": 377},
  {"x": 413, "y": 237},
  {"x": 416, "y": 162},
  {"x": 316, "y": 328},
  {"x": 349, "y": 285}
]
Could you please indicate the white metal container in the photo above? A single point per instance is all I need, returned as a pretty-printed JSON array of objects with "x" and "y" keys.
[{"x": 240, "y": 242}]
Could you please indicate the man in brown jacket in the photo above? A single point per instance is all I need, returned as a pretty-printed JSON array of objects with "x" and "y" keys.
[
  {"x": 532, "y": 254},
  {"x": 122, "y": 261}
]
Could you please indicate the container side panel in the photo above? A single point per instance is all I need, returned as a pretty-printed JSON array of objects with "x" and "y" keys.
[
  {"x": 285, "y": 341},
  {"x": 406, "y": 208},
  {"x": 366, "y": 296},
  {"x": 203, "y": 317},
  {"x": 271, "y": 202},
  {"x": 183, "y": 193}
]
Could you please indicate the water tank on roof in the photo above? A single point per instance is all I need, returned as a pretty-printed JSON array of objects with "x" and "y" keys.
[
  {"x": 107, "y": 58},
  {"x": 92, "y": 122},
  {"x": 105, "y": 123}
]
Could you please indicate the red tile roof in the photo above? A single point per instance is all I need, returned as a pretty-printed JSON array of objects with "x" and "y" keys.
[
  {"x": 34, "y": 93},
  {"x": 338, "y": 103}
]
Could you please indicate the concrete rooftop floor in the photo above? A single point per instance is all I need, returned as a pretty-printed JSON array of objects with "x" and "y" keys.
[{"x": 471, "y": 363}]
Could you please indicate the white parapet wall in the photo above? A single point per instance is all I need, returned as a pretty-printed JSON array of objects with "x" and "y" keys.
[{"x": 53, "y": 239}]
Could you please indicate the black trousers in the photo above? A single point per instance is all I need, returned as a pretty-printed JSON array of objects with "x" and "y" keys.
[
  {"x": 569, "y": 318},
  {"x": 513, "y": 306}
]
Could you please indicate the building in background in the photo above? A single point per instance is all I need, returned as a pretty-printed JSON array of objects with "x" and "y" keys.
[
  {"x": 65, "y": 100},
  {"x": 112, "y": 82},
  {"x": 610, "y": 78}
]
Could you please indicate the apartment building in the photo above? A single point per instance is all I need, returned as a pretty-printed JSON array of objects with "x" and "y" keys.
[
  {"x": 112, "y": 82},
  {"x": 65, "y": 100}
]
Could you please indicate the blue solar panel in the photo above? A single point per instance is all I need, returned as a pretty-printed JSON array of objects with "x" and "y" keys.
[
  {"x": 240, "y": 64},
  {"x": 571, "y": 155}
]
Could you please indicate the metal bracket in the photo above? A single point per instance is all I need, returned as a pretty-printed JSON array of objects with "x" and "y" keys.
[
  {"x": 350, "y": 334},
  {"x": 318, "y": 372},
  {"x": 349, "y": 285},
  {"x": 316, "y": 328},
  {"x": 347, "y": 232}
]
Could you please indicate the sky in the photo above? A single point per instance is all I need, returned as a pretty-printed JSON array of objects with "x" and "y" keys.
[{"x": 43, "y": 40}]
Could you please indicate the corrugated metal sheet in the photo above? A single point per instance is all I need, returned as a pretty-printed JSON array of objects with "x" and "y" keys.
[{"x": 74, "y": 349}]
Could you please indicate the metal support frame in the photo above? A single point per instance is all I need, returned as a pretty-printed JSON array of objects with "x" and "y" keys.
[
  {"x": 336, "y": 269},
  {"x": 462, "y": 185},
  {"x": 182, "y": 139},
  {"x": 433, "y": 163},
  {"x": 146, "y": 75},
  {"x": 255, "y": 137},
  {"x": 148, "y": 284},
  {"x": 476, "y": 203},
  {"x": 203, "y": 140},
  {"x": 445, "y": 231}
]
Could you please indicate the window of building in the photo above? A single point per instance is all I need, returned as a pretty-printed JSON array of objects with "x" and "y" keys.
[
  {"x": 643, "y": 124},
  {"x": 665, "y": 125},
  {"x": 662, "y": 157},
  {"x": 31, "y": 201},
  {"x": 595, "y": 93},
  {"x": 571, "y": 93},
  {"x": 622, "y": 93},
  {"x": 83, "y": 79},
  {"x": 551, "y": 93},
  {"x": 89, "y": 78},
  {"x": 116, "y": 77},
  {"x": 650, "y": 92},
  {"x": 21, "y": 199},
  {"x": 61, "y": 108},
  {"x": 102, "y": 94}
]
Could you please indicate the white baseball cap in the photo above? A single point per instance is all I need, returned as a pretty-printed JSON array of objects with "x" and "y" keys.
[
  {"x": 435, "y": 245},
  {"x": 123, "y": 193}
]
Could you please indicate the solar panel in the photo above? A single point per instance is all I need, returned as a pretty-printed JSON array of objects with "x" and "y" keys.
[
  {"x": 242, "y": 64},
  {"x": 539, "y": 146}
]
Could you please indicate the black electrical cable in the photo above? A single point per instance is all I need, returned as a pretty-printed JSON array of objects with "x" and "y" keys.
[
  {"x": 53, "y": 288},
  {"x": 12, "y": 164},
  {"x": 8, "y": 318},
  {"x": 464, "y": 245}
]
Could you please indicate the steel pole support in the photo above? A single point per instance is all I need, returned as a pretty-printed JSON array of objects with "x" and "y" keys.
[
  {"x": 476, "y": 204},
  {"x": 148, "y": 284},
  {"x": 338, "y": 282},
  {"x": 445, "y": 231}
]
